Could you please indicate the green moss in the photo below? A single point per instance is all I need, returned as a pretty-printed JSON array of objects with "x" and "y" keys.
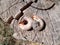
[{"x": 6, "y": 34}]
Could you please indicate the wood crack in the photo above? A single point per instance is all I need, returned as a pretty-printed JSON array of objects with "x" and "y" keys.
[{"x": 45, "y": 8}]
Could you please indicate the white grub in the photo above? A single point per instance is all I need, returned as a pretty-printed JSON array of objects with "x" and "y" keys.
[
  {"x": 25, "y": 23},
  {"x": 38, "y": 22}
]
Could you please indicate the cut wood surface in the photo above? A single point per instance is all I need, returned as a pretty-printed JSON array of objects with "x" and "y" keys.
[{"x": 48, "y": 36}]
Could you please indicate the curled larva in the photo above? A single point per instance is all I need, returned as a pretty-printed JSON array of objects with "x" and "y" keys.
[
  {"x": 38, "y": 23},
  {"x": 25, "y": 23}
]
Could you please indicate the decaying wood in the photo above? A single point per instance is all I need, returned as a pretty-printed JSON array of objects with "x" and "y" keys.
[{"x": 48, "y": 36}]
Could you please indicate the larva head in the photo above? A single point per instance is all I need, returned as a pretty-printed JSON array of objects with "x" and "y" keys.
[{"x": 24, "y": 22}]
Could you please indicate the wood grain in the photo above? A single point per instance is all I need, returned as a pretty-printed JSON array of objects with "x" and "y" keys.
[{"x": 50, "y": 35}]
